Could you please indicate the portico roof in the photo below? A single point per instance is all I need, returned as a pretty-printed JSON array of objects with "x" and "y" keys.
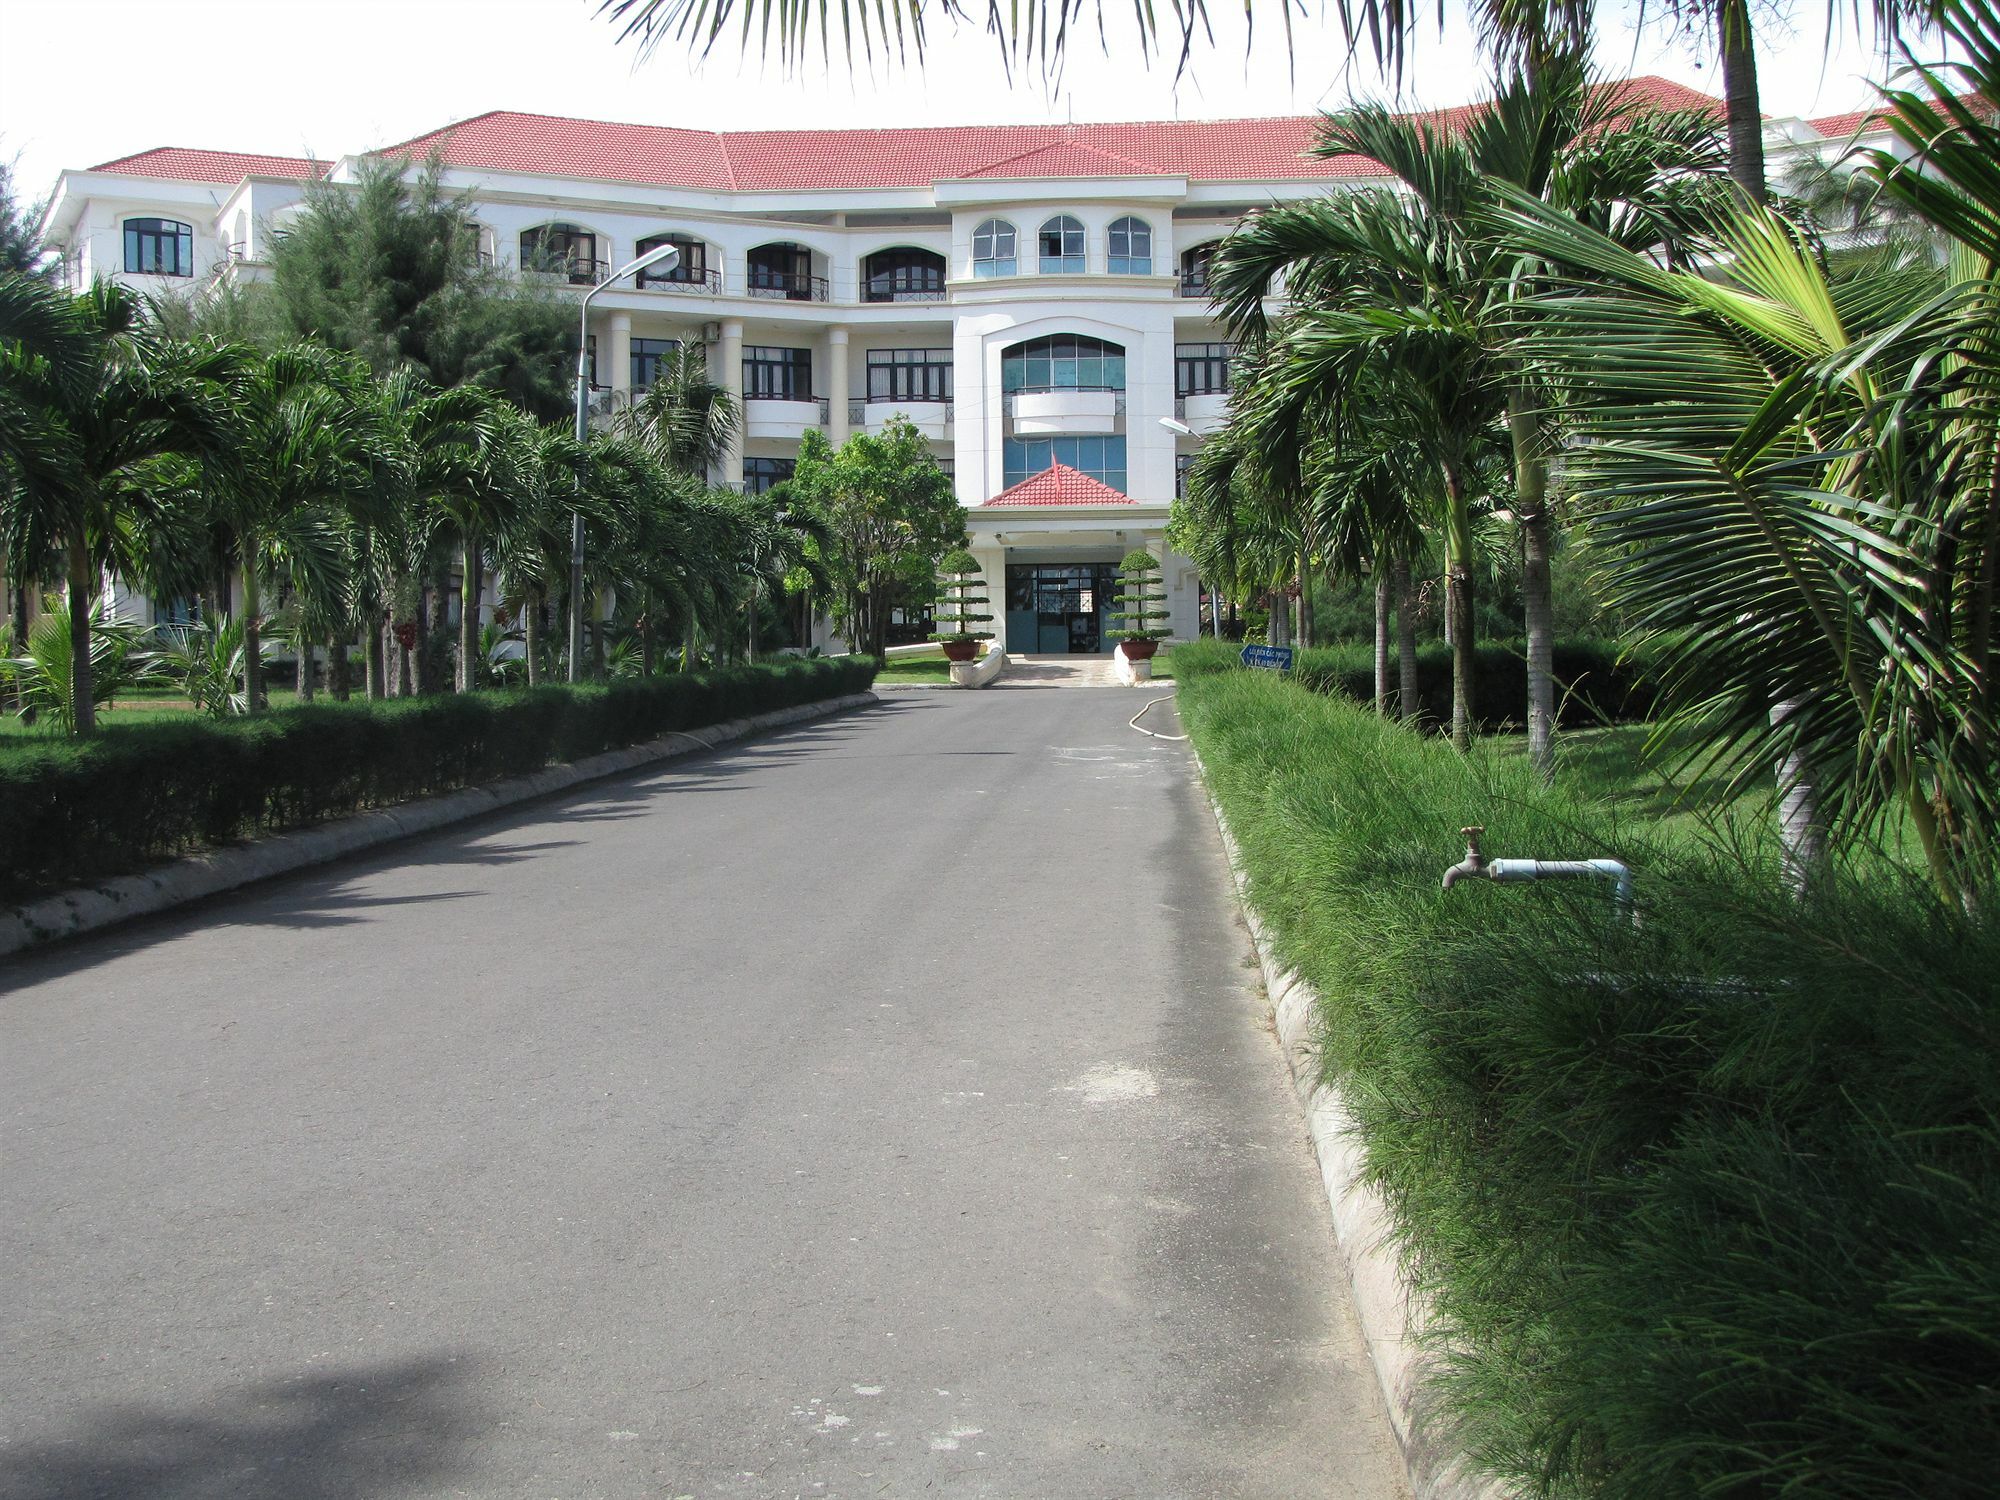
[{"x": 1058, "y": 485}]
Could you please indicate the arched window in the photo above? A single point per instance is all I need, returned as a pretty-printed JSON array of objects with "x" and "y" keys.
[
  {"x": 784, "y": 270},
  {"x": 1063, "y": 362},
  {"x": 1062, "y": 246},
  {"x": 691, "y": 270},
  {"x": 904, "y": 274},
  {"x": 158, "y": 247},
  {"x": 564, "y": 250},
  {"x": 1194, "y": 268},
  {"x": 1129, "y": 248},
  {"x": 993, "y": 249}
]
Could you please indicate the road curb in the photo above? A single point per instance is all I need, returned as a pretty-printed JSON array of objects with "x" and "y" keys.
[
  {"x": 91, "y": 908},
  {"x": 1388, "y": 1310}
]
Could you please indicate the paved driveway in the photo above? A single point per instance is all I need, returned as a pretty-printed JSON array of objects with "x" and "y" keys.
[{"x": 881, "y": 1108}]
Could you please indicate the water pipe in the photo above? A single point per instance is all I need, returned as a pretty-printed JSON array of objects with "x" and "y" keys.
[{"x": 1512, "y": 871}]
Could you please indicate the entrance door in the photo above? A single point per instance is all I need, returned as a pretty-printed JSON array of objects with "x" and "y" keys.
[{"x": 1058, "y": 609}]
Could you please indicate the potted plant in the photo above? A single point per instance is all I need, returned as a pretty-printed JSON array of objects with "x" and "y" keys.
[
  {"x": 960, "y": 595},
  {"x": 1141, "y": 605}
]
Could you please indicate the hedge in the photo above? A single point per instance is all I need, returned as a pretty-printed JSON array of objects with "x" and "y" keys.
[
  {"x": 1595, "y": 681},
  {"x": 139, "y": 793},
  {"x": 1706, "y": 1205}
]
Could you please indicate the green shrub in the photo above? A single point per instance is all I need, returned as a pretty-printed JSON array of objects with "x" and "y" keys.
[
  {"x": 138, "y": 793},
  {"x": 1707, "y": 1205}
]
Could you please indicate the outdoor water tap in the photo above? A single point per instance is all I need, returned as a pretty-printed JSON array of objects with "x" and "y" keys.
[{"x": 1474, "y": 862}]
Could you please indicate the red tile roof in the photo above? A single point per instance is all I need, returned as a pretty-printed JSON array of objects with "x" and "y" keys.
[
  {"x": 1060, "y": 485},
  {"x": 189, "y": 164}
]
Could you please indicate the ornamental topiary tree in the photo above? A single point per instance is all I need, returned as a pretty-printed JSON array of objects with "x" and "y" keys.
[
  {"x": 1141, "y": 604},
  {"x": 959, "y": 601}
]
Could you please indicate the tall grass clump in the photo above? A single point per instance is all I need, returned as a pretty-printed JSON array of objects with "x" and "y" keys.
[{"x": 1708, "y": 1205}]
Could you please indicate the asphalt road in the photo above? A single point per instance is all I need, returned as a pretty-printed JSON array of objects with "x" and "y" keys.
[{"x": 884, "y": 1107}]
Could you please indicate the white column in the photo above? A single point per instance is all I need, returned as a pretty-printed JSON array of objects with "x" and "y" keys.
[
  {"x": 836, "y": 385},
  {"x": 621, "y": 360},
  {"x": 730, "y": 353}
]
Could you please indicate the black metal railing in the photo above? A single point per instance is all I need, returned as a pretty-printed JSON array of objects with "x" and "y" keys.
[
  {"x": 682, "y": 279},
  {"x": 791, "y": 286},
  {"x": 897, "y": 291},
  {"x": 1195, "y": 283}
]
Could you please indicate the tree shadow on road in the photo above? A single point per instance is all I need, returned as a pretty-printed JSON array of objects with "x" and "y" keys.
[{"x": 395, "y": 1429}]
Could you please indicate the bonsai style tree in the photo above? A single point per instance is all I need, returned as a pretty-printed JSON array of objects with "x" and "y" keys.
[
  {"x": 958, "y": 604},
  {"x": 1141, "y": 604}
]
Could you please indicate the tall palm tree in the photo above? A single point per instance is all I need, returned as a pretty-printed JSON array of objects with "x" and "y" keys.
[
  {"x": 95, "y": 403},
  {"x": 685, "y": 419}
]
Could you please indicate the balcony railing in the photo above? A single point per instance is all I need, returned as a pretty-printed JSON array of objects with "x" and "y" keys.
[
  {"x": 788, "y": 286},
  {"x": 824, "y": 403},
  {"x": 682, "y": 279},
  {"x": 1117, "y": 392},
  {"x": 930, "y": 407},
  {"x": 1195, "y": 284},
  {"x": 903, "y": 293},
  {"x": 575, "y": 272}
]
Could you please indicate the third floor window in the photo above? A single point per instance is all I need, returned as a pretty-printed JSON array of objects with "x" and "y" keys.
[
  {"x": 785, "y": 270},
  {"x": 771, "y": 373},
  {"x": 564, "y": 250},
  {"x": 1062, "y": 246},
  {"x": 993, "y": 249},
  {"x": 909, "y": 375},
  {"x": 1129, "y": 248},
  {"x": 904, "y": 274},
  {"x": 690, "y": 270}
]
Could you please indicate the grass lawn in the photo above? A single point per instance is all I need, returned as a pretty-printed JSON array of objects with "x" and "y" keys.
[{"x": 928, "y": 666}]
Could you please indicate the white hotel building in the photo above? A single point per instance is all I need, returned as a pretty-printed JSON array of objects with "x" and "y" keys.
[{"x": 1033, "y": 298}]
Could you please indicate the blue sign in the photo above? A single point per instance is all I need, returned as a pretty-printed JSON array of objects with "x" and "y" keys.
[{"x": 1276, "y": 658}]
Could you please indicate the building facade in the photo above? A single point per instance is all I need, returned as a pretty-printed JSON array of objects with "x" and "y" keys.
[{"x": 1033, "y": 298}]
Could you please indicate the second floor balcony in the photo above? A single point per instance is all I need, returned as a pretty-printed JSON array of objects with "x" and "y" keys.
[
  {"x": 931, "y": 418},
  {"x": 1065, "y": 409},
  {"x": 784, "y": 416}
]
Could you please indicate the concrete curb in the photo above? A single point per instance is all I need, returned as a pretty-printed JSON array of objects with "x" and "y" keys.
[
  {"x": 90, "y": 908},
  {"x": 1389, "y": 1312}
]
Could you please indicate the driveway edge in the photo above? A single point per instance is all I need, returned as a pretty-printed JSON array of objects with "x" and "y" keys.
[
  {"x": 1388, "y": 1310},
  {"x": 90, "y": 908}
]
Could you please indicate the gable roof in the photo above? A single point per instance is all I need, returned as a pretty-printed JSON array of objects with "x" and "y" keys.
[
  {"x": 191, "y": 164},
  {"x": 1060, "y": 485}
]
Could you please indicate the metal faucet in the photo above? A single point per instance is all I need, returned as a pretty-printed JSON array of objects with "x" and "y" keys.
[{"x": 1474, "y": 862}]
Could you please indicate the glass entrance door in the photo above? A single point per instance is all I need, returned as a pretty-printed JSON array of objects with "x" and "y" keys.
[{"x": 1060, "y": 609}]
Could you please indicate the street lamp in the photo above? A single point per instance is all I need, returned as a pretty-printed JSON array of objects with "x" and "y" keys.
[
  {"x": 1176, "y": 425},
  {"x": 668, "y": 255}
]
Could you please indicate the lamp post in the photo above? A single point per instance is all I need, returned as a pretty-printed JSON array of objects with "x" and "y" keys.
[{"x": 669, "y": 256}]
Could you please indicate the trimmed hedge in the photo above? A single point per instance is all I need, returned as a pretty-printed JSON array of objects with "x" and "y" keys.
[
  {"x": 1595, "y": 683},
  {"x": 139, "y": 793},
  {"x": 1706, "y": 1205}
]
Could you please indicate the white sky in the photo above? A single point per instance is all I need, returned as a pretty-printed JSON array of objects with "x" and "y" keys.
[{"x": 82, "y": 81}]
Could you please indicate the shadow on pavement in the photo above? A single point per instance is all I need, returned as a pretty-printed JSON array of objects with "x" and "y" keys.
[{"x": 384, "y": 1430}]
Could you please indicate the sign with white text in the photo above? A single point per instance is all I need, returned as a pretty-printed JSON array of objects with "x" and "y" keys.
[{"x": 1272, "y": 658}]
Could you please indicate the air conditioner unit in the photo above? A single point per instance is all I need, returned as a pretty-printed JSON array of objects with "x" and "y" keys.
[{"x": 711, "y": 333}]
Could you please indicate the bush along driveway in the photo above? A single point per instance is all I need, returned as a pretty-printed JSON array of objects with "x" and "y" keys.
[{"x": 1705, "y": 1204}]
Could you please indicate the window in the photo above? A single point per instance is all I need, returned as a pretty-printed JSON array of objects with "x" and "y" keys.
[
  {"x": 785, "y": 270},
  {"x": 1194, "y": 269},
  {"x": 1183, "y": 467},
  {"x": 158, "y": 247},
  {"x": 647, "y": 356},
  {"x": 1062, "y": 246},
  {"x": 1063, "y": 362},
  {"x": 760, "y": 474},
  {"x": 993, "y": 249},
  {"x": 1201, "y": 369},
  {"x": 774, "y": 374},
  {"x": 909, "y": 374},
  {"x": 904, "y": 274},
  {"x": 690, "y": 270},
  {"x": 564, "y": 250},
  {"x": 1102, "y": 458},
  {"x": 1129, "y": 248}
]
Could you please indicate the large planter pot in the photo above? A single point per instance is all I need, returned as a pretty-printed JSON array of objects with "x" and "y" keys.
[
  {"x": 960, "y": 650},
  {"x": 1140, "y": 650}
]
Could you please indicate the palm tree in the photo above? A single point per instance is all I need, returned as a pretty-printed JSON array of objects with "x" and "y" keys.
[
  {"x": 95, "y": 402},
  {"x": 686, "y": 420}
]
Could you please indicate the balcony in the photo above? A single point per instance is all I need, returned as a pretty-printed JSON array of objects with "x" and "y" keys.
[
  {"x": 1065, "y": 410},
  {"x": 787, "y": 418},
  {"x": 931, "y": 418},
  {"x": 1205, "y": 412},
  {"x": 682, "y": 279},
  {"x": 788, "y": 286},
  {"x": 1195, "y": 284},
  {"x": 573, "y": 272}
]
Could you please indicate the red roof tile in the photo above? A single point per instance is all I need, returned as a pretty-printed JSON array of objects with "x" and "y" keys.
[
  {"x": 1060, "y": 485},
  {"x": 189, "y": 164},
  {"x": 1840, "y": 127}
]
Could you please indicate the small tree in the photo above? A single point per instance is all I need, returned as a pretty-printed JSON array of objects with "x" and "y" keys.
[
  {"x": 958, "y": 600},
  {"x": 1141, "y": 602}
]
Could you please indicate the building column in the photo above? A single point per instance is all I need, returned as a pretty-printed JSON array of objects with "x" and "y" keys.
[
  {"x": 621, "y": 361},
  {"x": 730, "y": 352},
  {"x": 836, "y": 385}
]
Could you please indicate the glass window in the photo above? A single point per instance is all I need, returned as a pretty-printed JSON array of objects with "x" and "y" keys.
[
  {"x": 1194, "y": 269},
  {"x": 760, "y": 474},
  {"x": 1129, "y": 248},
  {"x": 1062, "y": 246},
  {"x": 1201, "y": 369},
  {"x": 158, "y": 247},
  {"x": 904, "y": 274},
  {"x": 1183, "y": 466},
  {"x": 785, "y": 270},
  {"x": 1063, "y": 362},
  {"x": 909, "y": 375},
  {"x": 1102, "y": 458},
  {"x": 993, "y": 249},
  {"x": 690, "y": 270},
  {"x": 564, "y": 250},
  {"x": 647, "y": 355},
  {"x": 776, "y": 374}
]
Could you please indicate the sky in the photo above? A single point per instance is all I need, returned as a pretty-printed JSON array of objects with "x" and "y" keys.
[{"x": 331, "y": 77}]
